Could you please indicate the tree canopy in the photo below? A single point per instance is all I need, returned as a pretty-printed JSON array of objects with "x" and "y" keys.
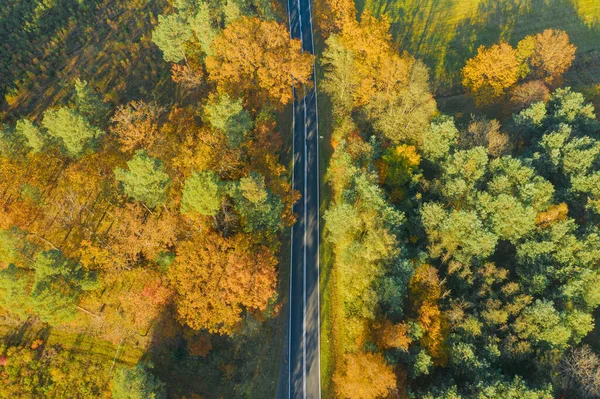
[{"x": 144, "y": 179}]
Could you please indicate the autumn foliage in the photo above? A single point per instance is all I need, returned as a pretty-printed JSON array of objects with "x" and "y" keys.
[
  {"x": 494, "y": 70},
  {"x": 255, "y": 56},
  {"x": 335, "y": 16},
  {"x": 217, "y": 278},
  {"x": 364, "y": 376},
  {"x": 491, "y": 72},
  {"x": 393, "y": 336},
  {"x": 425, "y": 291},
  {"x": 547, "y": 55}
]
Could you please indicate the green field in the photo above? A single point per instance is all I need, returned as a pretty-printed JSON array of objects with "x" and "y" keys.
[{"x": 445, "y": 33}]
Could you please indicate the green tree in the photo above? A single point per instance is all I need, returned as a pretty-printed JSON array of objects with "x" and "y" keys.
[
  {"x": 171, "y": 35},
  {"x": 439, "y": 139},
  {"x": 568, "y": 107},
  {"x": 59, "y": 282},
  {"x": 203, "y": 193},
  {"x": 32, "y": 134},
  {"x": 72, "y": 129},
  {"x": 15, "y": 284},
  {"x": 229, "y": 117},
  {"x": 542, "y": 323},
  {"x": 508, "y": 218},
  {"x": 50, "y": 290},
  {"x": 462, "y": 175},
  {"x": 202, "y": 23},
  {"x": 362, "y": 228},
  {"x": 259, "y": 209},
  {"x": 458, "y": 234},
  {"x": 137, "y": 383},
  {"x": 89, "y": 104},
  {"x": 513, "y": 389},
  {"x": 12, "y": 245},
  {"x": 145, "y": 179}
]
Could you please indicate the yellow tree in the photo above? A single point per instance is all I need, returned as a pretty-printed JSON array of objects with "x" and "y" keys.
[
  {"x": 364, "y": 70},
  {"x": 374, "y": 62},
  {"x": 365, "y": 376},
  {"x": 491, "y": 72},
  {"x": 137, "y": 233},
  {"x": 142, "y": 303},
  {"x": 136, "y": 125},
  {"x": 425, "y": 291},
  {"x": 333, "y": 16},
  {"x": 397, "y": 167},
  {"x": 259, "y": 59},
  {"x": 391, "y": 335}
]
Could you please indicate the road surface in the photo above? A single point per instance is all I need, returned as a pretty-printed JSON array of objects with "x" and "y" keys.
[{"x": 303, "y": 363}]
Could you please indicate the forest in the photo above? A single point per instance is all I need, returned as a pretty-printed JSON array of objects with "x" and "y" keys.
[
  {"x": 146, "y": 197},
  {"x": 462, "y": 246},
  {"x": 141, "y": 224}
]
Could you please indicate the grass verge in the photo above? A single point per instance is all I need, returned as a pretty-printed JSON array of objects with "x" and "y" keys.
[{"x": 331, "y": 341}]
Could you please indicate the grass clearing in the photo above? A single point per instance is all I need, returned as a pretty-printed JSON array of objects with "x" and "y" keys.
[
  {"x": 445, "y": 33},
  {"x": 76, "y": 343}
]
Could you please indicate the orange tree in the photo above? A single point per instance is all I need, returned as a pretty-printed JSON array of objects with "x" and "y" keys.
[{"x": 217, "y": 278}]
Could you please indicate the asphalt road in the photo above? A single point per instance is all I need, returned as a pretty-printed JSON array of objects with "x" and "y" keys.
[{"x": 303, "y": 362}]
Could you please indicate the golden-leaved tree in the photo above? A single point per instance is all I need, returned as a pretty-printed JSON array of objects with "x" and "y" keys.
[
  {"x": 364, "y": 72},
  {"x": 491, "y": 72},
  {"x": 547, "y": 55},
  {"x": 365, "y": 376},
  {"x": 258, "y": 59},
  {"x": 494, "y": 70}
]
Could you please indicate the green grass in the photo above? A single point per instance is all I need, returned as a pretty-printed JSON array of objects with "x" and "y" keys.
[
  {"x": 445, "y": 33},
  {"x": 77, "y": 343},
  {"x": 330, "y": 311}
]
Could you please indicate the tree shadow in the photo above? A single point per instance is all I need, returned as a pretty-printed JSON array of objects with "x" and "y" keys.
[
  {"x": 244, "y": 365},
  {"x": 106, "y": 42},
  {"x": 16, "y": 336},
  {"x": 24, "y": 29}
]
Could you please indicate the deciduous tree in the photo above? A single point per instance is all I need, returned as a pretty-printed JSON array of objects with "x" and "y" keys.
[
  {"x": 549, "y": 55},
  {"x": 364, "y": 376},
  {"x": 217, "y": 279},
  {"x": 136, "y": 125},
  {"x": 491, "y": 72},
  {"x": 258, "y": 58}
]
